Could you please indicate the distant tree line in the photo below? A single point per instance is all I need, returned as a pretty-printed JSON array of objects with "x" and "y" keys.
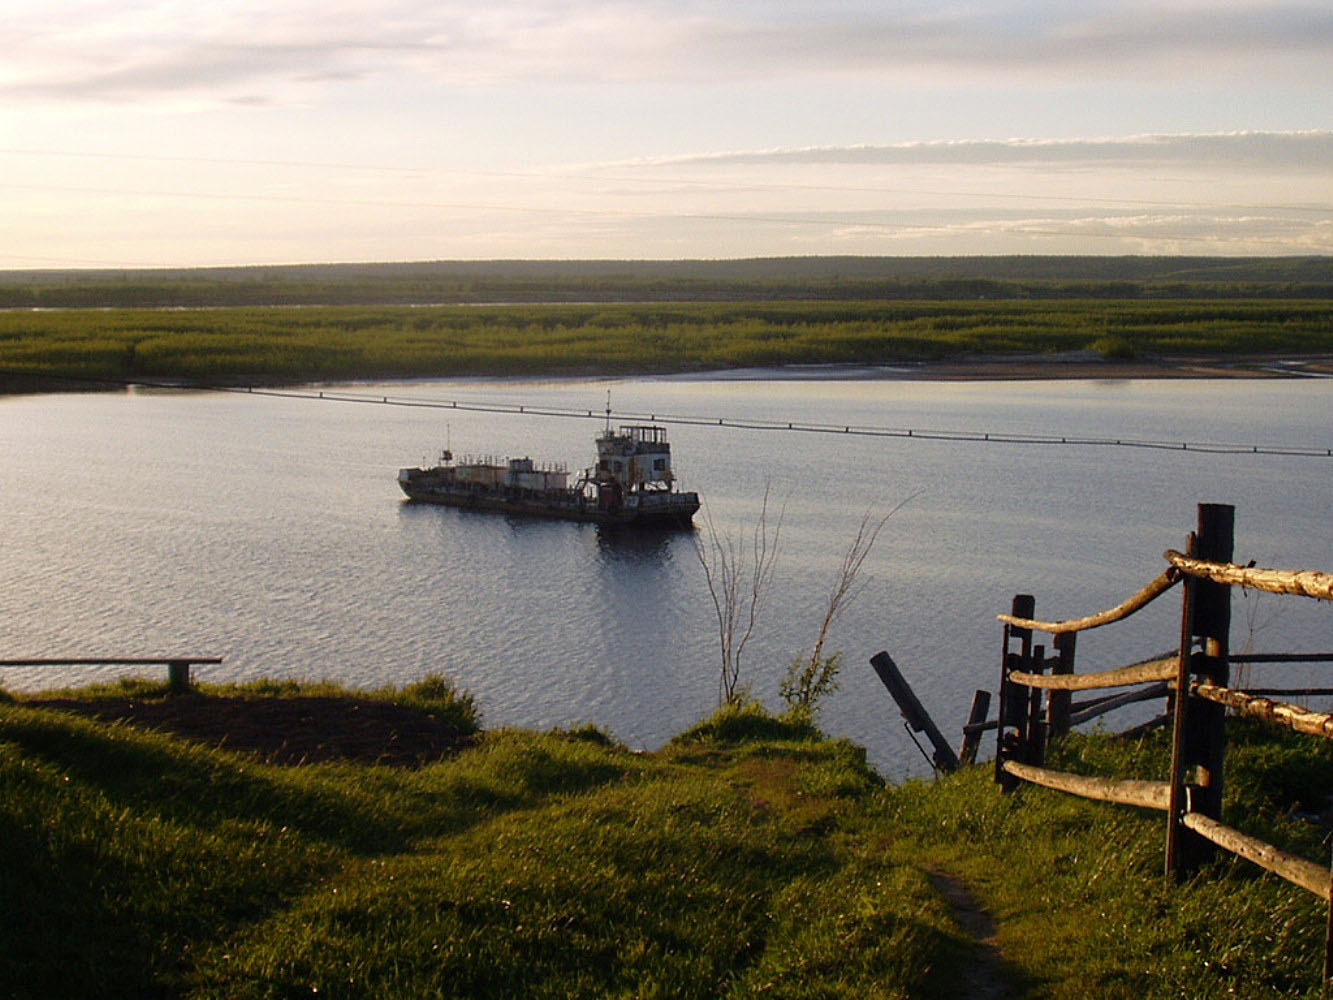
[{"x": 795, "y": 278}]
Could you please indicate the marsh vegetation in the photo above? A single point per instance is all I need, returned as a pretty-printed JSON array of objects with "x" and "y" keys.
[{"x": 283, "y": 344}]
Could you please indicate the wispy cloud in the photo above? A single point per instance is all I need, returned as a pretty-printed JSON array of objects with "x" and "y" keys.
[
  {"x": 1312, "y": 150},
  {"x": 137, "y": 51}
]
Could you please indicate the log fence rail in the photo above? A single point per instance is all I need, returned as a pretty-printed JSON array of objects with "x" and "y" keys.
[{"x": 1195, "y": 681}]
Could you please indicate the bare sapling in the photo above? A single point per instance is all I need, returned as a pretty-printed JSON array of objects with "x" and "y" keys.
[
  {"x": 738, "y": 576},
  {"x": 811, "y": 678}
]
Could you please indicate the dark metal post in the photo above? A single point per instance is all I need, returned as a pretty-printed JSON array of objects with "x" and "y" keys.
[{"x": 178, "y": 676}]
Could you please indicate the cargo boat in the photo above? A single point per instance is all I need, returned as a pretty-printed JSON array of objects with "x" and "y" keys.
[{"x": 631, "y": 484}]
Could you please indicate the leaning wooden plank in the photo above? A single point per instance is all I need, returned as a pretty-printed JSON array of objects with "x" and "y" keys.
[
  {"x": 1128, "y": 791},
  {"x": 1303, "y": 582},
  {"x": 1305, "y": 874},
  {"x": 1138, "y": 673},
  {"x": 1145, "y": 596},
  {"x": 1119, "y": 701},
  {"x": 1280, "y": 713}
]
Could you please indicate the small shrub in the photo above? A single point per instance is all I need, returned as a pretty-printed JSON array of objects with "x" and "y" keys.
[
  {"x": 588, "y": 733},
  {"x": 807, "y": 683},
  {"x": 438, "y": 696},
  {"x": 1115, "y": 347},
  {"x": 744, "y": 723}
]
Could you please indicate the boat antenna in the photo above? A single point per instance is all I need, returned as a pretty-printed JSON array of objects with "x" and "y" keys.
[{"x": 608, "y": 411}]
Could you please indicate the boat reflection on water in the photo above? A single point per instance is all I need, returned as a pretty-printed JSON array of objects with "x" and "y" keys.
[{"x": 653, "y": 542}]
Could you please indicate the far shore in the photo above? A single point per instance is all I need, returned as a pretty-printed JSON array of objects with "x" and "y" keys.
[
  {"x": 1074, "y": 366},
  {"x": 1080, "y": 365}
]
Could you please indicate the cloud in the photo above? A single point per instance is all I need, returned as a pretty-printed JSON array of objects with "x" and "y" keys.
[
  {"x": 1307, "y": 150},
  {"x": 136, "y": 51},
  {"x": 1206, "y": 232}
]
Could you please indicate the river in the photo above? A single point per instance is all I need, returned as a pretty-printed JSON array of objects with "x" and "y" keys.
[{"x": 269, "y": 530}]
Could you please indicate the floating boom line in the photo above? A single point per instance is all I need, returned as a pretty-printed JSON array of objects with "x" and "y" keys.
[
  {"x": 793, "y": 426},
  {"x": 737, "y": 423}
]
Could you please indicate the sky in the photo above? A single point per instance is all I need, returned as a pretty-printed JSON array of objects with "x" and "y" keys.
[{"x": 172, "y": 133}]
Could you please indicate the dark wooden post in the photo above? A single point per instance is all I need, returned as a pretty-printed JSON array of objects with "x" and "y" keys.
[
  {"x": 1199, "y": 735},
  {"x": 1013, "y": 697},
  {"x": 178, "y": 676},
  {"x": 1034, "y": 731},
  {"x": 1328, "y": 945},
  {"x": 1057, "y": 702},
  {"x": 967, "y": 753}
]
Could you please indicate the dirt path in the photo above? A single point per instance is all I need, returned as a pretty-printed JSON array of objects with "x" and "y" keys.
[{"x": 989, "y": 977}]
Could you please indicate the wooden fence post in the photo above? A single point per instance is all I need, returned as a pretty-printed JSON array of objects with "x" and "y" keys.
[
  {"x": 1328, "y": 947},
  {"x": 1057, "y": 702},
  {"x": 1034, "y": 731},
  {"x": 1328, "y": 944},
  {"x": 1013, "y": 697},
  {"x": 967, "y": 753},
  {"x": 1199, "y": 736}
]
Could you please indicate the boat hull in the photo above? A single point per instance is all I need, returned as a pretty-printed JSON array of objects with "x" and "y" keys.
[{"x": 651, "y": 509}]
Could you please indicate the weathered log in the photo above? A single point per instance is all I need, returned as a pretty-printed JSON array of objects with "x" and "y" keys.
[
  {"x": 1306, "y": 874},
  {"x": 1302, "y": 582},
  {"x": 1280, "y": 713},
  {"x": 1138, "y": 673},
  {"x": 1145, "y": 596},
  {"x": 1124, "y": 791}
]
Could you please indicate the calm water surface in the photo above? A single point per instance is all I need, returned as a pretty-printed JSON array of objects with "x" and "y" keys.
[{"x": 270, "y": 531}]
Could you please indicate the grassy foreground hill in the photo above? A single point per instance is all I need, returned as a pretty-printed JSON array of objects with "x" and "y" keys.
[{"x": 749, "y": 857}]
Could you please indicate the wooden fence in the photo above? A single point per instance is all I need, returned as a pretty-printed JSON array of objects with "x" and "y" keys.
[{"x": 1195, "y": 681}]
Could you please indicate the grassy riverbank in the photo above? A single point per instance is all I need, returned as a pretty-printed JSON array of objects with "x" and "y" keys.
[
  {"x": 748, "y": 857},
  {"x": 329, "y": 343}
]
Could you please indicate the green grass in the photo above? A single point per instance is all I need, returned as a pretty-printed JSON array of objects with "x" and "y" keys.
[
  {"x": 329, "y": 342},
  {"x": 1077, "y": 887},
  {"x": 748, "y": 857}
]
